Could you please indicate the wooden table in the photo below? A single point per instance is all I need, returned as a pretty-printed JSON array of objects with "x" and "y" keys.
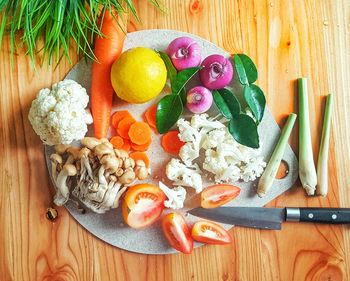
[{"x": 287, "y": 39}]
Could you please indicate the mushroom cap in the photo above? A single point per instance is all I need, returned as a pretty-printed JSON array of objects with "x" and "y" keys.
[
  {"x": 84, "y": 152},
  {"x": 61, "y": 148},
  {"x": 74, "y": 151},
  {"x": 102, "y": 149},
  {"x": 110, "y": 162},
  {"x": 56, "y": 158},
  {"x": 70, "y": 169},
  {"x": 90, "y": 142}
]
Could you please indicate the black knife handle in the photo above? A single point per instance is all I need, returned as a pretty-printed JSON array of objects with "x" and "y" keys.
[{"x": 325, "y": 215}]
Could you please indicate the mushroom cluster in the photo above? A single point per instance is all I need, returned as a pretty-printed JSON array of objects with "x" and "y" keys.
[{"x": 99, "y": 173}]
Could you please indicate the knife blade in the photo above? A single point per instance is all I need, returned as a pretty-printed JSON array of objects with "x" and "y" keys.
[{"x": 272, "y": 218}]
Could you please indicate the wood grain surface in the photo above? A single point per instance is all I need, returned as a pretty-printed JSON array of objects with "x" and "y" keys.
[{"x": 287, "y": 39}]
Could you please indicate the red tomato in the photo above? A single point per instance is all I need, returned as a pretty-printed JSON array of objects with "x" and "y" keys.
[
  {"x": 219, "y": 194},
  {"x": 210, "y": 233},
  {"x": 177, "y": 232},
  {"x": 142, "y": 205}
]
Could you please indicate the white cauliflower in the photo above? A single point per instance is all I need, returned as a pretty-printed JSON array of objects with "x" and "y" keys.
[
  {"x": 201, "y": 121},
  {"x": 176, "y": 196},
  {"x": 58, "y": 116},
  {"x": 184, "y": 175}
]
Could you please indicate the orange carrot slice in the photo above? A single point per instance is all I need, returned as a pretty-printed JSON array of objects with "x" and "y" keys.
[
  {"x": 140, "y": 156},
  {"x": 139, "y": 133},
  {"x": 142, "y": 147},
  {"x": 150, "y": 115},
  {"x": 126, "y": 145},
  {"x": 117, "y": 142},
  {"x": 171, "y": 142},
  {"x": 124, "y": 126},
  {"x": 118, "y": 116}
]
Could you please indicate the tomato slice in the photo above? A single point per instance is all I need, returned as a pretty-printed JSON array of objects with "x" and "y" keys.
[
  {"x": 177, "y": 232},
  {"x": 142, "y": 205},
  {"x": 219, "y": 194},
  {"x": 210, "y": 233}
]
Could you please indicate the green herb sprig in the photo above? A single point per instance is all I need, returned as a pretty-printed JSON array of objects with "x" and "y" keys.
[{"x": 51, "y": 27}]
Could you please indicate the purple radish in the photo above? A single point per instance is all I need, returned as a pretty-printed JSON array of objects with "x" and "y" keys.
[
  {"x": 217, "y": 72},
  {"x": 199, "y": 99},
  {"x": 184, "y": 53}
]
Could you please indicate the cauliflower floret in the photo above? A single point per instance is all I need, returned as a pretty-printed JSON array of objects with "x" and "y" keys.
[
  {"x": 59, "y": 116},
  {"x": 188, "y": 153},
  {"x": 214, "y": 138},
  {"x": 187, "y": 132},
  {"x": 252, "y": 169},
  {"x": 176, "y": 196},
  {"x": 184, "y": 175},
  {"x": 201, "y": 121}
]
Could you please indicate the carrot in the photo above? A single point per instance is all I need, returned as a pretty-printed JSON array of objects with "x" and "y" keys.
[
  {"x": 124, "y": 126},
  {"x": 117, "y": 142},
  {"x": 118, "y": 116},
  {"x": 171, "y": 142},
  {"x": 107, "y": 50},
  {"x": 139, "y": 133},
  {"x": 142, "y": 147},
  {"x": 126, "y": 145},
  {"x": 150, "y": 116},
  {"x": 140, "y": 156}
]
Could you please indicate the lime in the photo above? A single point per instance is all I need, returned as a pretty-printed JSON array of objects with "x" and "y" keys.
[{"x": 138, "y": 75}]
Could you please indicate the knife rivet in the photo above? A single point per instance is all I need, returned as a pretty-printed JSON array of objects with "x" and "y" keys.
[
  {"x": 311, "y": 215},
  {"x": 334, "y": 216}
]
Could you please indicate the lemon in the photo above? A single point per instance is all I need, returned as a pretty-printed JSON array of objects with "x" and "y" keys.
[{"x": 139, "y": 75}]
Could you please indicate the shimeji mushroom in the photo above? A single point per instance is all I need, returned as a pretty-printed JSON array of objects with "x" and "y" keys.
[
  {"x": 62, "y": 194},
  {"x": 84, "y": 155},
  {"x": 56, "y": 160}
]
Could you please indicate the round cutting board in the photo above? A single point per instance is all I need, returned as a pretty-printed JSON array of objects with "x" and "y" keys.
[{"x": 110, "y": 226}]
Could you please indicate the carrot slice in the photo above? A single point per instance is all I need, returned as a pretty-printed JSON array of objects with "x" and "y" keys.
[
  {"x": 140, "y": 156},
  {"x": 117, "y": 142},
  {"x": 124, "y": 126},
  {"x": 126, "y": 145},
  {"x": 118, "y": 116},
  {"x": 150, "y": 115},
  {"x": 139, "y": 133},
  {"x": 142, "y": 147},
  {"x": 171, "y": 142}
]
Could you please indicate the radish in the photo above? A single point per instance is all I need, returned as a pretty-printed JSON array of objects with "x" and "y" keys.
[
  {"x": 199, "y": 99},
  {"x": 217, "y": 72},
  {"x": 184, "y": 53}
]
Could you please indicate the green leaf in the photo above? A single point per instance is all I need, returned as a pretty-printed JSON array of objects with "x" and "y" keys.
[
  {"x": 244, "y": 130},
  {"x": 169, "y": 66},
  {"x": 227, "y": 103},
  {"x": 246, "y": 69},
  {"x": 182, "y": 78},
  {"x": 256, "y": 101},
  {"x": 169, "y": 110}
]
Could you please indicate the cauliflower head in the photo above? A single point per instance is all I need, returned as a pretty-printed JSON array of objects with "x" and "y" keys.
[
  {"x": 176, "y": 196},
  {"x": 58, "y": 115}
]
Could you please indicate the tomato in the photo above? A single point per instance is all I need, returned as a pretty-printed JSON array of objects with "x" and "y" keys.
[
  {"x": 142, "y": 205},
  {"x": 177, "y": 232},
  {"x": 219, "y": 194},
  {"x": 210, "y": 233}
]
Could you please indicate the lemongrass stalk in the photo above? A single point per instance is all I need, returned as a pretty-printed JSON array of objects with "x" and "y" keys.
[
  {"x": 322, "y": 162},
  {"x": 271, "y": 169},
  {"x": 307, "y": 170}
]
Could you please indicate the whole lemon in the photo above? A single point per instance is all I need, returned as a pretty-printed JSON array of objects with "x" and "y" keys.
[{"x": 138, "y": 75}]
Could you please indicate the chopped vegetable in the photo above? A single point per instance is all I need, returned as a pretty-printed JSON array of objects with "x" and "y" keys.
[
  {"x": 307, "y": 171},
  {"x": 199, "y": 99},
  {"x": 210, "y": 233},
  {"x": 216, "y": 72},
  {"x": 117, "y": 142},
  {"x": 140, "y": 156},
  {"x": 127, "y": 144},
  {"x": 142, "y": 205},
  {"x": 177, "y": 233},
  {"x": 175, "y": 196},
  {"x": 150, "y": 115},
  {"x": 271, "y": 169},
  {"x": 184, "y": 53},
  {"x": 118, "y": 116},
  {"x": 142, "y": 147},
  {"x": 218, "y": 195},
  {"x": 322, "y": 163},
  {"x": 139, "y": 133},
  {"x": 107, "y": 50},
  {"x": 124, "y": 126},
  {"x": 171, "y": 142}
]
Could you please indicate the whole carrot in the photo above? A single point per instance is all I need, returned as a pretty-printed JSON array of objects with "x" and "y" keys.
[{"x": 107, "y": 50}]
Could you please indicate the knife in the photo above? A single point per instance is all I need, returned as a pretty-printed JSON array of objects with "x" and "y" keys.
[{"x": 272, "y": 218}]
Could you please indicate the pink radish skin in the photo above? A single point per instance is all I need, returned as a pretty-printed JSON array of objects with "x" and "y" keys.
[
  {"x": 199, "y": 99},
  {"x": 184, "y": 52},
  {"x": 217, "y": 72}
]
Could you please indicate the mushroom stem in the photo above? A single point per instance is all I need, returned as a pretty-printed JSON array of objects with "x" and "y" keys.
[{"x": 62, "y": 194}]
